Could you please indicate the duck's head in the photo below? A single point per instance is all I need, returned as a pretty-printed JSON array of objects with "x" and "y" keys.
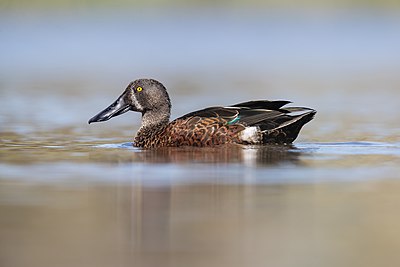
[{"x": 147, "y": 96}]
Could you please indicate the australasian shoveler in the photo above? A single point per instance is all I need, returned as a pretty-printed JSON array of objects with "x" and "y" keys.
[{"x": 252, "y": 122}]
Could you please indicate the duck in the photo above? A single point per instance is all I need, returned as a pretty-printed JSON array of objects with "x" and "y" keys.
[{"x": 255, "y": 122}]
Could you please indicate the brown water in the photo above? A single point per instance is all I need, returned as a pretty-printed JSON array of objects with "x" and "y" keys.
[{"x": 78, "y": 195}]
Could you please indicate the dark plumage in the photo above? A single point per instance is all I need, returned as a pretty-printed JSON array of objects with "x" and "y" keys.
[{"x": 252, "y": 122}]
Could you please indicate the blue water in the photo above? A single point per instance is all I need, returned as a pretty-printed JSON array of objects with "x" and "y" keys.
[
  {"x": 334, "y": 148},
  {"x": 302, "y": 163}
]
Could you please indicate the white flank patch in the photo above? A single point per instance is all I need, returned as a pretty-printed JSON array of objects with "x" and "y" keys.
[{"x": 251, "y": 135}]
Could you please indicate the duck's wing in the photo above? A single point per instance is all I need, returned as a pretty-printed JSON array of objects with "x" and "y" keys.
[
  {"x": 226, "y": 113},
  {"x": 276, "y": 123},
  {"x": 263, "y": 104},
  {"x": 266, "y": 114},
  {"x": 239, "y": 111}
]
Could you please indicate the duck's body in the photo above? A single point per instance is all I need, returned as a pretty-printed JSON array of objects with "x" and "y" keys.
[
  {"x": 240, "y": 124},
  {"x": 253, "y": 122}
]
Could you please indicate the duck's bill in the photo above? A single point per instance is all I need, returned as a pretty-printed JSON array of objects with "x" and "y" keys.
[{"x": 119, "y": 107}]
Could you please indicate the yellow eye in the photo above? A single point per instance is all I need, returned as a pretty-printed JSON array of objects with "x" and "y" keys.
[{"x": 139, "y": 89}]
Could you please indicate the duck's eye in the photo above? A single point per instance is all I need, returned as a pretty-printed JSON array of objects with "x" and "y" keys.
[{"x": 139, "y": 89}]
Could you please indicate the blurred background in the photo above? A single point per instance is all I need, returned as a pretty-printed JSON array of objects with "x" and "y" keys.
[
  {"x": 78, "y": 195},
  {"x": 340, "y": 57}
]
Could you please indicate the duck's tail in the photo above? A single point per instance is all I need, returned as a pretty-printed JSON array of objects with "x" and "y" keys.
[{"x": 289, "y": 125}]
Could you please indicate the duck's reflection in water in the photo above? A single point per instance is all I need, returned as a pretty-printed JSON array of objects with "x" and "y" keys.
[
  {"x": 228, "y": 154},
  {"x": 191, "y": 222}
]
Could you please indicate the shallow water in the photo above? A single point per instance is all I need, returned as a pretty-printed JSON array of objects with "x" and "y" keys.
[{"x": 73, "y": 194}]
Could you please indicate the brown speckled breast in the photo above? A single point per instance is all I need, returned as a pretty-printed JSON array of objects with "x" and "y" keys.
[{"x": 192, "y": 131}]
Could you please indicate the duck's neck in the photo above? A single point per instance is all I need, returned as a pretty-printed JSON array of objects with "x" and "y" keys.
[{"x": 155, "y": 119}]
